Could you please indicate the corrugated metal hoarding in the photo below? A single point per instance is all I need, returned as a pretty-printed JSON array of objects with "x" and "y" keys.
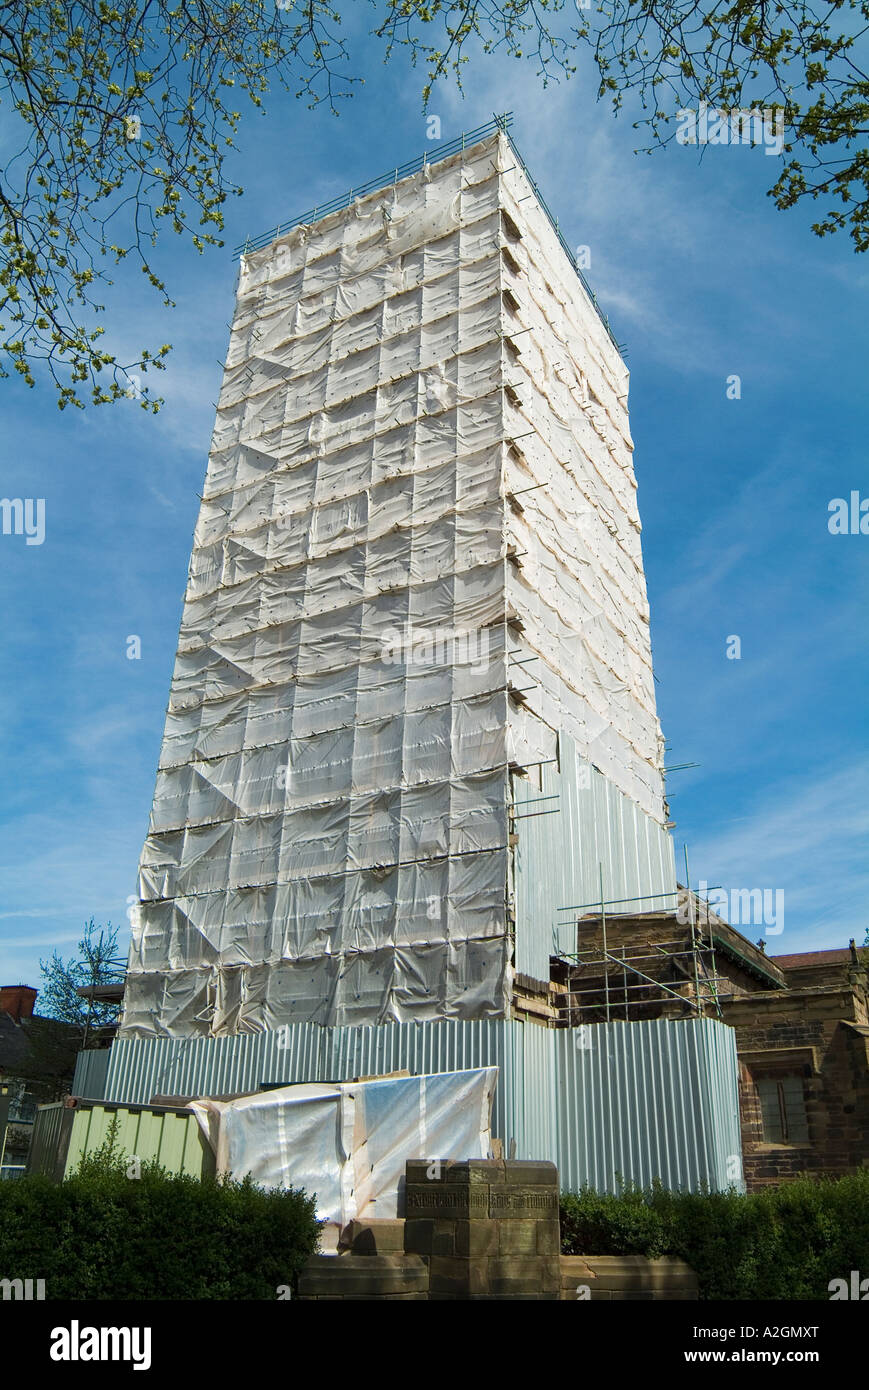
[
  {"x": 608, "y": 1102},
  {"x": 648, "y": 1100},
  {"x": 583, "y": 824},
  {"x": 50, "y": 1140},
  {"x": 91, "y": 1068}
]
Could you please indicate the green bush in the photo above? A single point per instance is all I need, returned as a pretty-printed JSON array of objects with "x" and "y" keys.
[
  {"x": 104, "y": 1235},
  {"x": 782, "y": 1243}
]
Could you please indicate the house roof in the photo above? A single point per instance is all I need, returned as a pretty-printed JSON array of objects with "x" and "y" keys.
[
  {"x": 750, "y": 957},
  {"x": 14, "y": 1045},
  {"x": 838, "y": 956}
]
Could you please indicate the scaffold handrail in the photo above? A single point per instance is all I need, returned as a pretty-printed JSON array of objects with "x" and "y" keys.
[{"x": 461, "y": 142}]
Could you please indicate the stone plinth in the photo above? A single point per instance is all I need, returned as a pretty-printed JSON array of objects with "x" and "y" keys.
[{"x": 487, "y": 1227}]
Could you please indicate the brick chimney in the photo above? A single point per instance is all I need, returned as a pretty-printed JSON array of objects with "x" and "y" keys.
[{"x": 17, "y": 1001}]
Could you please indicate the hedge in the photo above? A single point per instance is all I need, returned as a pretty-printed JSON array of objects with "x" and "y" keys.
[
  {"x": 102, "y": 1234},
  {"x": 787, "y": 1242}
]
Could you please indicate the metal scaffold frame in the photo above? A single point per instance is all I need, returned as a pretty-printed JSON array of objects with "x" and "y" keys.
[{"x": 604, "y": 1002}]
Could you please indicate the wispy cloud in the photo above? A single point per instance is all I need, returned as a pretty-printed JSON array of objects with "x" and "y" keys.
[{"x": 808, "y": 838}]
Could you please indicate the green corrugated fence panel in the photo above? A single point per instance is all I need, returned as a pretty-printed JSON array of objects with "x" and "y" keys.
[{"x": 174, "y": 1140}]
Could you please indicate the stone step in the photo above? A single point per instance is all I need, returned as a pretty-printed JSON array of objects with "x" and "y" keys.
[
  {"x": 363, "y": 1276},
  {"x": 628, "y": 1276},
  {"x": 375, "y": 1237}
]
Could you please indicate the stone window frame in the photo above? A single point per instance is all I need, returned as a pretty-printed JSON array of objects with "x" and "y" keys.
[{"x": 778, "y": 1063}]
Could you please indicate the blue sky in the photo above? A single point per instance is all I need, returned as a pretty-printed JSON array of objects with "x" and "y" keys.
[{"x": 702, "y": 278}]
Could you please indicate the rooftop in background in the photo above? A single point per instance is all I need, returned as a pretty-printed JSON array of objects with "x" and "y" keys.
[
  {"x": 14, "y": 1044},
  {"x": 462, "y": 142},
  {"x": 838, "y": 956}
]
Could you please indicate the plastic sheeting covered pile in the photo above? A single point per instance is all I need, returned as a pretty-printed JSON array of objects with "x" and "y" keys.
[
  {"x": 376, "y": 629},
  {"x": 349, "y": 1142}
]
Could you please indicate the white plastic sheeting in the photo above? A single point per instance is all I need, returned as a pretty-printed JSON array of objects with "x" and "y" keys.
[
  {"x": 578, "y": 585},
  {"x": 330, "y": 831},
  {"x": 348, "y": 1142}
]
